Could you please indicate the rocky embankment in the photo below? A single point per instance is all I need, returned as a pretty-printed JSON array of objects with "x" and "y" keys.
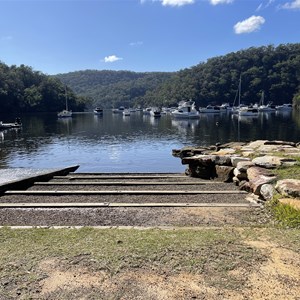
[{"x": 251, "y": 166}]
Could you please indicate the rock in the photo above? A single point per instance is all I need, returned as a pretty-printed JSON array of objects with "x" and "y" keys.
[
  {"x": 295, "y": 202},
  {"x": 258, "y": 176},
  {"x": 267, "y": 191},
  {"x": 258, "y": 182},
  {"x": 280, "y": 143},
  {"x": 224, "y": 151},
  {"x": 240, "y": 175},
  {"x": 236, "y": 159},
  {"x": 245, "y": 186},
  {"x": 288, "y": 187},
  {"x": 267, "y": 161},
  {"x": 254, "y": 145},
  {"x": 243, "y": 166},
  {"x": 204, "y": 172},
  {"x": 224, "y": 173},
  {"x": 254, "y": 172}
]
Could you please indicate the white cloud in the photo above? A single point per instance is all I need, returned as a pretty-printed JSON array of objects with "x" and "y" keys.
[
  {"x": 111, "y": 58},
  {"x": 216, "y": 2},
  {"x": 292, "y": 5},
  {"x": 139, "y": 43},
  {"x": 176, "y": 2},
  {"x": 249, "y": 25},
  {"x": 171, "y": 2}
]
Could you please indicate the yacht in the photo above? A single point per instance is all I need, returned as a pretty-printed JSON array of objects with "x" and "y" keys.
[
  {"x": 210, "y": 109},
  {"x": 98, "y": 111},
  {"x": 118, "y": 110},
  {"x": 284, "y": 107},
  {"x": 66, "y": 113},
  {"x": 186, "y": 109}
]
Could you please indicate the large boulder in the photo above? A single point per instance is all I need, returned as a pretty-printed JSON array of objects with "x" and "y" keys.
[
  {"x": 259, "y": 176},
  {"x": 267, "y": 161},
  {"x": 288, "y": 187},
  {"x": 224, "y": 173}
]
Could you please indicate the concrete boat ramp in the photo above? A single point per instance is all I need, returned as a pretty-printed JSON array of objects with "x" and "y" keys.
[{"x": 62, "y": 197}]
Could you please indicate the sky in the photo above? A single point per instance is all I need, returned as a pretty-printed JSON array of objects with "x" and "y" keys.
[{"x": 60, "y": 36}]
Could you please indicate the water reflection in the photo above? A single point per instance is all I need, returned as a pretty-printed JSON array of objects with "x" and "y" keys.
[{"x": 136, "y": 143}]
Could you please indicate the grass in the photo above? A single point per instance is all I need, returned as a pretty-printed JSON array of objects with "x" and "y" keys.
[
  {"x": 285, "y": 215},
  {"x": 213, "y": 253}
]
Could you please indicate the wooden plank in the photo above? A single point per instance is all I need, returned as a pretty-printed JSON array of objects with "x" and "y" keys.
[
  {"x": 124, "y": 183},
  {"x": 120, "y": 177},
  {"x": 79, "y": 192},
  {"x": 101, "y": 205}
]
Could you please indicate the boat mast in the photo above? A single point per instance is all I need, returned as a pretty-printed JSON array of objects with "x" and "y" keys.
[
  {"x": 66, "y": 97},
  {"x": 240, "y": 89}
]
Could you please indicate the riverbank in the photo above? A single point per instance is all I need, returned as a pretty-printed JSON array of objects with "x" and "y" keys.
[{"x": 167, "y": 250}]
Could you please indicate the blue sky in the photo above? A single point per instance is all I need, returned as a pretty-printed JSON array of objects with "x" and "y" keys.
[{"x": 59, "y": 36}]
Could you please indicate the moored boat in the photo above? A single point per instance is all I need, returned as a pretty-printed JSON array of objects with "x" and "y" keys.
[
  {"x": 210, "y": 109},
  {"x": 66, "y": 113},
  {"x": 284, "y": 107},
  {"x": 16, "y": 124},
  {"x": 98, "y": 111},
  {"x": 186, "y": 109},
  {"x": 118, "y": 110}
]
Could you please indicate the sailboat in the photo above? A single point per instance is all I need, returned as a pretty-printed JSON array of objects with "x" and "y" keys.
[
  {"x": 265, "y": 108},
  {"x": 244, "y": 110},
  {"x": 66, "y": 113}
]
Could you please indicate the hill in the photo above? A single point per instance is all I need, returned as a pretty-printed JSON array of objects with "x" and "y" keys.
[{"x": 274, "y": 70}]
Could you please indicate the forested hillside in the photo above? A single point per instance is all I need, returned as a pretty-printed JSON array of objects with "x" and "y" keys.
[
  {"x": 114, "y": 88},
  {"x": 274, "y": 70},
  {"x": 22, "y": 89}
]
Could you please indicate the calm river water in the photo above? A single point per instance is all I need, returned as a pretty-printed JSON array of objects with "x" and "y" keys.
[{"x": 114, "y": 143}]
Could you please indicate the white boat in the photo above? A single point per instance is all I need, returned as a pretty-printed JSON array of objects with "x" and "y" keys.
[
  {"x": 284, "y": 107},
  {"x": 210, "y": 109},
  {"x": 126, "y": 112},
  {"x": 265, "y": 107},
  {"x": 187, "y": 110},
  {"x": 66, "y": 113},
  {"x": 98, "y": 111},
  {"x": 155, "y": 112},
  {"x": 248, "y": 111},
  {"x": 118, "y": 110},
  {"x": 225, "y": 107},
  {"x": 146, "y": 111},
  {"x": 17, "y": 124}
]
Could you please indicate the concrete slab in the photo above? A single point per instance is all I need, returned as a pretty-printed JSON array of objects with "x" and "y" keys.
[{"x": 20, "y": 177}]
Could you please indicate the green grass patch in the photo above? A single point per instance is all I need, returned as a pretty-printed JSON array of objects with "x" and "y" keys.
[
  {"x": 213, "y": 253},
  {"x": 291, "y": 172},
  {"x": 285, "y": 215}
]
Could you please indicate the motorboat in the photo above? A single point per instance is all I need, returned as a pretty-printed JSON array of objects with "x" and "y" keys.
[
  {"x": 248, "y": 111},
  {"x": 284, "y": 107},
  {"x": 147, "y": 110},
  {"x": 186, "y": 109},
  {"x": 65, "y": 114},
  {"x": 210, "y": 109},
  {"x": 118, "y": 110},
  {"x": 225, "y": 107},
  {"x": 98, "y": 111},
  {"x": 16, "y": 124},
  {"x": 126, "y": 112},
  {"x": 155, "y": 112}
]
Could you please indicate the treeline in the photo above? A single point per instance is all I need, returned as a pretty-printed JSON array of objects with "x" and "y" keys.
[
  {"x": 25, "y": 90},
  {"x": 274, "y": 70},
  {"x": 114, "y": 88}
]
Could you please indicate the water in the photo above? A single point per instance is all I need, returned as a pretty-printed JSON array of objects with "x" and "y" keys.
[{"x": 113, "y": 143}]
